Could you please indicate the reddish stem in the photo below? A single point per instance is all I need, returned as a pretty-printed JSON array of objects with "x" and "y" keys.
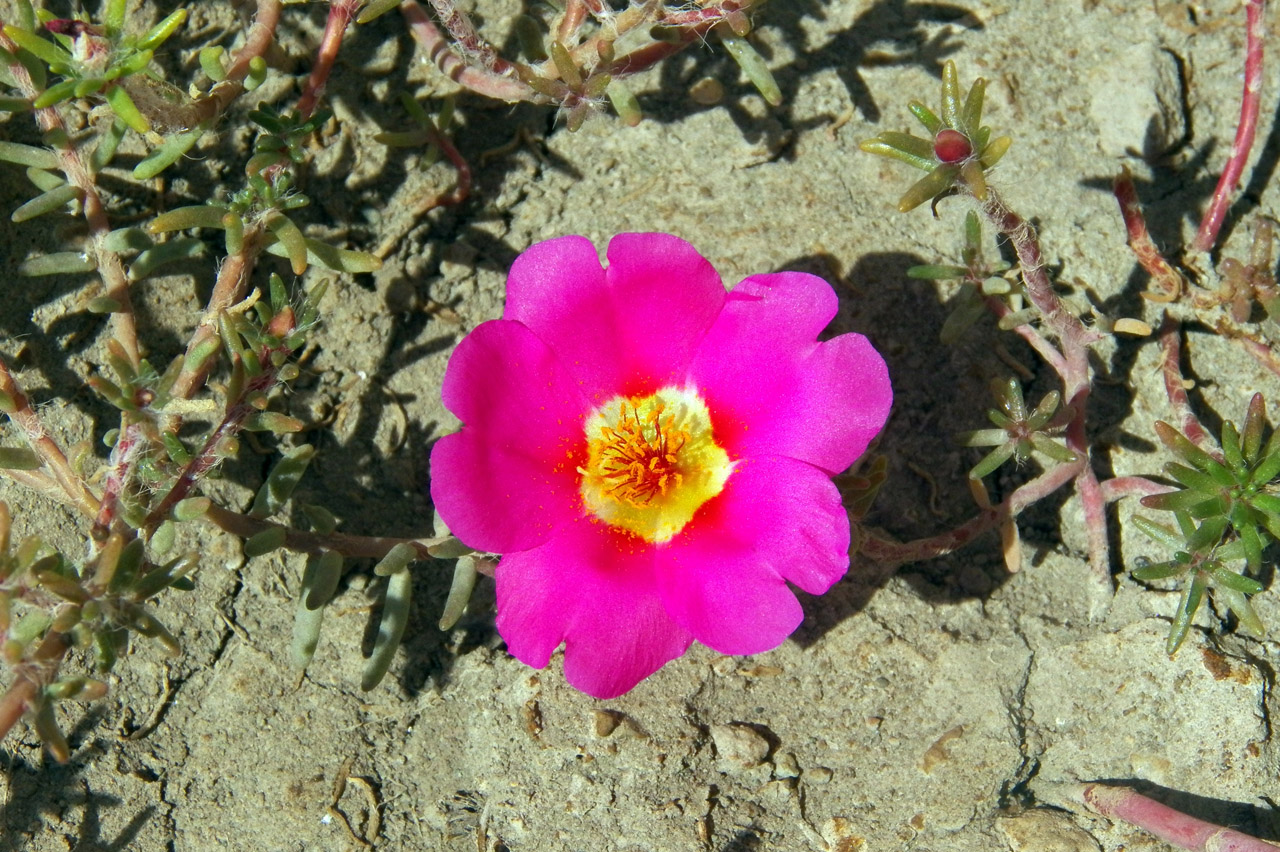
[
  {"x": 896, "y": 553},
  {"x": 256, "y": 43},
  {"x": 1171, "y": 370},
  {"x": 1167, "y": 281},
  {"x": 1245, "y": 130},
  {"x": 1181, "y": 830},
  {"x": 483, "y": 81},
  {"x": 129, "y": 443},
  {"x": 340, "y": 14},
  {"x": 30, "y": 677},
  {"x": 1131, "y": 486},
  {"x": 51, "y": 455}
]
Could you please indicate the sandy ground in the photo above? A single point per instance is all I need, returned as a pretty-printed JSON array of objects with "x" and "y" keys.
[{"x": 940, "y": 709}]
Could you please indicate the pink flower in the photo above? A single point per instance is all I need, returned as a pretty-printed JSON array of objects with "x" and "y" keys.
[{"x": 652, "y": 455}]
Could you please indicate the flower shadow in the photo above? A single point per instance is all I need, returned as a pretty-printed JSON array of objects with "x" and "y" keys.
[{"x": 938, "y": 392}]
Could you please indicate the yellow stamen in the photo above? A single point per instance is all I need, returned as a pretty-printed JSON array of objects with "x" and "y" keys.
[{"x": 652, "y": 462}]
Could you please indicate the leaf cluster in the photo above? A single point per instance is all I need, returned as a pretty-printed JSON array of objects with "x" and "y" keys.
[{"x": 1227, "y": 513}]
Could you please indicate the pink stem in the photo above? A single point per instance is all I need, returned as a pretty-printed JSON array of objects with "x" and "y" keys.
[
  {"x": 340, "y": 14},
  {"x": 1171, "y": 369},
  {"x": 128, "y": 444},
  {"x": 483, "y": 81},
  {"x": 886, "y": 551},
  {"x": 1168, "y": 283},
  {"x": 1181, "y": 830},
  {"x": 1034, "y": 338},
  {"x": 30, "y": 677},
  {"x": 1131, "y": 486},
  {"x": 1214, "y": 216}
]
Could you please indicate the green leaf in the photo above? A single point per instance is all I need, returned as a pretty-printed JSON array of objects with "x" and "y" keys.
[
  {"x": 932, "y": 185},
  {"x": 395, "y": 617},
  {"x": 19, "y": 458},
  {"x": 170, "y": 251},
  {"x": 55, "y": 57},
  {"x": 1227, "y": 578},
  {"x": 1181, "y": 447},
  {"x": 1231, "y": 448},
  {"x": 124, "y": 107},
  {"x": 108, "y": 142},
  {"x": 160, "y": 33},
  {"x": 56, "y": 93},
  {"x": 340, "y": 259},
  {"x": 186, "y": 218},
  {"x": 926, "y": 117},
  {"x": 1208, "y": 535},
  {"x": 47, "y": 202},
  {"x": 1191, "y": 478},
  {"x": 375, "y": 9},
  {"x": 211, "y": 63},
  {"x": 895, "y": 146},
  {"x": 993, "y": 460},
  {"x": 464, "y": 582},
  {"x": 951, "y": 96},
  {"x": 272, "y": 538},
  {"x": 290, "y": 237},
  {"x": 320, "y": 581},
  {"x": 1187, "y": 607},
  {"x": 168, "y": 153},
  {"x": 971, "y": 114},
  {"x": 624, "y": 103},
  {"x": 281, "y": 481},
  {"x": 113, "y": 17},
  {"x": 1159, "y": 532},
  {"x": 1158, "y": 571},
  {"x": 28, "y": 155},
  {"x": 752, "y": 65},
  {"x": 58, "y": 263},
  {"x": 396, "y": 560}
]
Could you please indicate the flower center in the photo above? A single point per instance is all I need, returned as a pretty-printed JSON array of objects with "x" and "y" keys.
[{"x": 652, "y": 462}]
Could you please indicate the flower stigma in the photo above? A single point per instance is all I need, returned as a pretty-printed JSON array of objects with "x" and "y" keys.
[{"x": 652, "y": 462}]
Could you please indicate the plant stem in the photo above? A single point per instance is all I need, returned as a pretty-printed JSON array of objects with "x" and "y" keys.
[
  {"x": 232, "y": 86},
  {"x": 1181, "y": 830},
  {"x": 1175, "y": 390},
  {"x": 1074, "y": 339},
  {"x": 26, "y": 419},
  {"x": 1207, "y": 236},
  {"x": 213, "y": 451},
  {"x": 1168, "y": 282},
  {"x": 31, "y": 676},
  {"x": 886, "y": 551},
  {"x": 354, "y": 546},
  {"x": 115, "y": 283},
  {"x": 481, "y": 80},
  {"x": 230, "y": 288},
  {"x": 1119, "y": 487},
  {"x": 340, "y": 15}
]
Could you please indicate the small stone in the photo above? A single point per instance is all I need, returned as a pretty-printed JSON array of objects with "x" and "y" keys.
[
  {"x": 738, "y": 747},
  {"x": 708, "y": 91},
  {"x": 1040, "y": 830},
  {"x": 605, "y": 721},
  {"x": 818, "y": 775},
  {"x": 785, "y": 765}
]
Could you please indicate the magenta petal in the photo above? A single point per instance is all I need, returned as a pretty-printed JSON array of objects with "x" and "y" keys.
[
  {"x": 509, "y": 477},
  {"x": 723, "y": 578},
  {"x": 629, "y": 329},
  {"x": 594, "y": 590},
  {"x": 774, "y": 390}
]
